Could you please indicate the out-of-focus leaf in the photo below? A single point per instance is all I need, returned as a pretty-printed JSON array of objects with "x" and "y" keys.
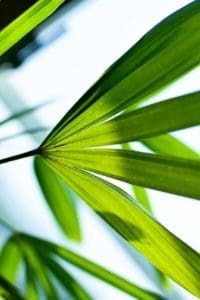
[
  {"x": 169, "y": 174},
  {"x": 168, "y": 253},
  {"x": 39, "y": 271},
  {"x": 142, "y": 197},
  {"x": 26, "y": 22},
  {"x": 158, "y": 118},
  {"x": 91, "y": 268},
  {"x": 169, "y": 145},
  {"x": 166, "y": 52},
  {"x": 31, "y": 287},
  {"x": 60, "y": 199},
  {"x": 24, "y": 112},
  {"x": 67, "y": 281},
  {"x": 31, "y": 131},
  {"x": 10, "y": 259},
  {"x": 11, "y": 289}
]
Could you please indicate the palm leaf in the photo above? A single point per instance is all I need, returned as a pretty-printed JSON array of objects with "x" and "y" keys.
[
  {"x": 166, "y": 116},
  {"x": 169, "y": 50},
  {"x": 162, "y": 248},
  {"x": 165, "y": 173}
]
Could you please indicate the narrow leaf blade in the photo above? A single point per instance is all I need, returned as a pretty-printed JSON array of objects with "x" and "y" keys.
[
  {"x": 168, "y": 51},
  {"x": 165, "y": 173},
  {"x": 60, "y": 199},
  {"x": 162, "y": 248},
  {"x": 162, "y": 117},
  {"x": 92, "y": 268}
]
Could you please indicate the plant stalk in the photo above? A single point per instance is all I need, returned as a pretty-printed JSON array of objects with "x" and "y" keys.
[{"x": 19, "y": 156}]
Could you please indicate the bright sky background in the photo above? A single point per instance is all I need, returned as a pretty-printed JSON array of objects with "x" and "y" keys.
[{"x": 97, "y": 33}]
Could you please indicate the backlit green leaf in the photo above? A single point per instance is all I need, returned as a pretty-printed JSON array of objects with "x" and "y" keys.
[
  {"x": 169, "y": 50},
  {"x": 60, "y": 199},
  {"x": 167, "y": 144},
  {"x": 165, "y": 173},
  {"x": 26, "y": 22},
  {"x": 166, "y": 116},
  {"x": 162, "y": 248}
]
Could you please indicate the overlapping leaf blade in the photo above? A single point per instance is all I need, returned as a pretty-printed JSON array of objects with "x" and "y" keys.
[
  {"x": 166, "y": 116},
  {"x": 31, "y": 286},
  {"x": 169, "y": 145},
  {"x": 174, "y": 175},
  {"x": 165, "y": 53},
  {"x": 162, "y": 248},
  {"x": 67, "y": 281},
  {"x": 91, "y": 268},
  {"x": 39, "y": 271},
  {"x": 60, "y": 199}
]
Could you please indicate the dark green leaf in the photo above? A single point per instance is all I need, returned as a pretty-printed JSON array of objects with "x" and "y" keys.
[
  {"x": 162, "y": 117},
  {"x": 11, "y": 289},
  {"x": 31, "y": 286},
  {"x": 168, "y": 51}
]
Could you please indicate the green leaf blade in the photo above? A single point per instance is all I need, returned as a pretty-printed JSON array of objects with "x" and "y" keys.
[
  {"x": 26, "y": 22},
  {"x": 169, "y": 145},
  {"x": 59, "y": 198},
  {"x": 162, "y": 117},
  {"x": 11, "y": 289},
  {"x": 67, "y": 281},
  {"x": 10, "y": 259},
  {"x": 164, "y": 54},
  {"x": 93, "y": 269},
  {"x": 165, "y": 173},
  {"x": 162, "y": 248}
]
